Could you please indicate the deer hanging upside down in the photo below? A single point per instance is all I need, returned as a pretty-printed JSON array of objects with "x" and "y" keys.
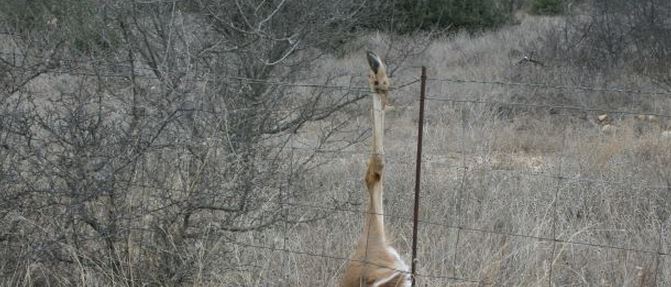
[{"x": 375, "y": 262}]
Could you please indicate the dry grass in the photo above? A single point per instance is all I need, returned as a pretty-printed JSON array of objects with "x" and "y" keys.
[{"x": 509, "y": 186}]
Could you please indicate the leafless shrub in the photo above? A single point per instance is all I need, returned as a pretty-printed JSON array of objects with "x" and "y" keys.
[{"x": 128, "y": 155}]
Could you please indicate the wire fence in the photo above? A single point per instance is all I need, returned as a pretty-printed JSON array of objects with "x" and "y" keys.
[
  {"x": 560, "y": 176},
  {"x": 548, "y": 106},
  {"x": 552, "y": 87},
  {"x": 146, "y": 72},
  {"x": 455, "y": 227},
  {"x": 562, "y": 179}
]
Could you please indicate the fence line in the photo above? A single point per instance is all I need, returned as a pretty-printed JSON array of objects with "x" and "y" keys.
[
  {"x": 334, "y": 257},
  {"x": 366, "y": 88},
  {"x": 553, "y": 87},
  {"x": 562, "y": 107},
  {"x": 317, "y": 206},
  {"x": 459, "y": 226},
  {"x": 448, "y": 226},
  {"x": 658, "y": 253},
  {"x": 72, "y": 72},
  {"x": 488, "y": 170},
  {"x": 408, "y": 219},
  {"x": 228, "y": 111},
  {"x": 230, "y": 78},
  {"x": 559, "y": 178},
  {"x": 233, "y": 79}
]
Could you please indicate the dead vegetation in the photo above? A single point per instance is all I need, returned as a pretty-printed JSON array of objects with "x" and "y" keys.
[
  {"x": 179, "y": 216},
  {"x": 611, "y": 187}
]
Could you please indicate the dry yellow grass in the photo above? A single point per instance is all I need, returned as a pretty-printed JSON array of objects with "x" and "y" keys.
[
  {"x": 486, "y": 167},
  {"x": 509, "y": 185}
]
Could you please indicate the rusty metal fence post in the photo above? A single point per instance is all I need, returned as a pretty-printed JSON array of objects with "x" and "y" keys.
[{"x": 418, "y": 172}]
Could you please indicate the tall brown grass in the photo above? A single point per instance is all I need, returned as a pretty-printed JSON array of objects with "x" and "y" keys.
[
  {"x": 613, "y": 187},
  {"x": 534, "y": 172}
]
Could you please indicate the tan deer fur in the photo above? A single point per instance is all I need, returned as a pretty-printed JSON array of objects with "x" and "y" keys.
[{"x": 375, "y": 262}]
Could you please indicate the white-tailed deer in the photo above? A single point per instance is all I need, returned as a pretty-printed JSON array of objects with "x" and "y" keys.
[{"x": 375, "y": 263}]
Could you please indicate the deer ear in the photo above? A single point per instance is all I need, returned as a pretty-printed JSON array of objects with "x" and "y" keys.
[{"x": 373, "y": 61}]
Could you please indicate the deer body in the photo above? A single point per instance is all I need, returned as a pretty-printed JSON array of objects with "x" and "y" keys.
[{"x": 376, "y": 263}]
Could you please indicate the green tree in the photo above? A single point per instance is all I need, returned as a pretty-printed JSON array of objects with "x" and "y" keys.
[
  {"x": 467, "y": 14},
  {"x": 547, "y": 7}
]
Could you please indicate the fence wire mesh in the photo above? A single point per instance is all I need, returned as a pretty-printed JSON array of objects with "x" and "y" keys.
[
  {"x": 560, "y": 178},
  {"x": 459, "y": 224}
]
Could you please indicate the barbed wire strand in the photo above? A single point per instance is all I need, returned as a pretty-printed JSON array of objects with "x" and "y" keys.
[
  {"x": 487, "y": 170},
  {"x": 334, "y": 257},
  {"x": 231, "y": 80},
  {"x": 244, "y": 79},
  {"x": 479, "y": 230},
  {"x": 553, "y": 87},
  {"x": 561, "y": 107},
  {"x": 450, "y": 80}
]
